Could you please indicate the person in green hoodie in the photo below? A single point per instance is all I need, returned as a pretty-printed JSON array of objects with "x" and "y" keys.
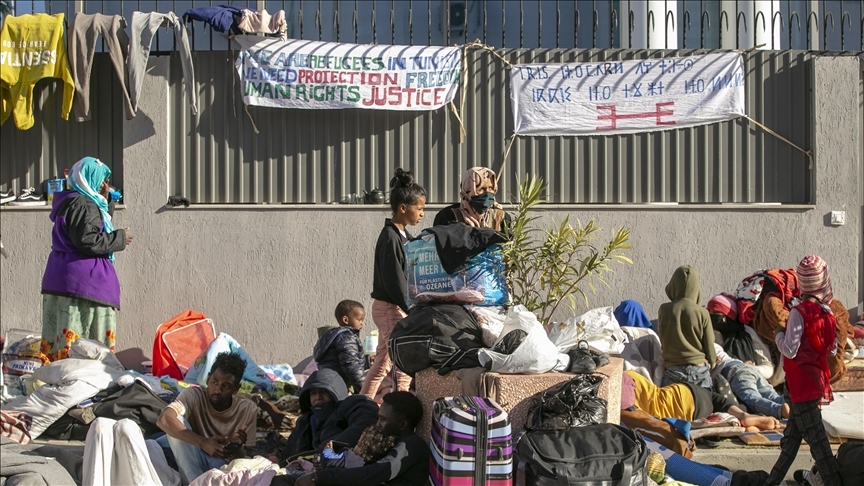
[{"x": 685, "y": 331}]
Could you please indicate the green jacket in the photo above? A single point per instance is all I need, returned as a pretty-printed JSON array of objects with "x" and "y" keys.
[{"x": 684, "y": 326}]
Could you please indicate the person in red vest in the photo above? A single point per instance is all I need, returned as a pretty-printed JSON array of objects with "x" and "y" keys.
[{"x": 806, "y": 342}]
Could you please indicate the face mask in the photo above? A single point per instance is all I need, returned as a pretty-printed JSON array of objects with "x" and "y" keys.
[
  {"x": 482, "y": 202},
  {"x": 322, "y": 412}
]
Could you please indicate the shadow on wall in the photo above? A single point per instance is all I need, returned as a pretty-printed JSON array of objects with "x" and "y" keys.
[
  {"x": 143, "y": 129},
  {"x": 131, "y": 358}
]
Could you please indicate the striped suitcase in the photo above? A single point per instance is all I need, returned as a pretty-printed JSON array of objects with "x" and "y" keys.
[{"x": 472, "y": 444}]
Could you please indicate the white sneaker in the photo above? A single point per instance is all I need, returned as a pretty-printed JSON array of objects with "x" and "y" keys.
[
  {"x": 7, "y": 196},
  {"x": 29, "y": 197}
]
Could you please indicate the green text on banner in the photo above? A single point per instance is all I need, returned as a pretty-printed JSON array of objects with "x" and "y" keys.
[{"x": 326, "y": 75}]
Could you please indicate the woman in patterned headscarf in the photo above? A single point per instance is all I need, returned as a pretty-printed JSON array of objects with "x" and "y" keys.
[
  {"x": 477, "y": 207},
  {"x": 80, "y": 289}
]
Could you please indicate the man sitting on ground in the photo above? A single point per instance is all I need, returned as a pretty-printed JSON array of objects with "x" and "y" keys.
[
  {"x": 207, "y": 427},
  {"x": 327, "y": 414},
  {"x": 406, "y": 464}
]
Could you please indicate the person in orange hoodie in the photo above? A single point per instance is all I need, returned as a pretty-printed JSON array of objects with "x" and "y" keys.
[{"x": 31, "y": 48}]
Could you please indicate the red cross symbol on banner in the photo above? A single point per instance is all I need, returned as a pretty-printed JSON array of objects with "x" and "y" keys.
[{"x": 613, "y": 116}]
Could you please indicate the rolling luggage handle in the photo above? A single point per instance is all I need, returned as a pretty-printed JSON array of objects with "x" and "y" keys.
[{"x": 482, "y": 443}]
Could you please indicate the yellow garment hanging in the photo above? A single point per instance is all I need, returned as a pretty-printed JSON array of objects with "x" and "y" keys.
[{"x": 32, "y": 48}]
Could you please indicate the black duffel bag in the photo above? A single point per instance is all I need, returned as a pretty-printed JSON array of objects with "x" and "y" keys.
[
  {"x": 442, "y": 336},
  {"x": 594, "y": 455}
]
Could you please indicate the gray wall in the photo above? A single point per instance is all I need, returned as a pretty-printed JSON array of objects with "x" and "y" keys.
[{"x": 269, "y": 275}]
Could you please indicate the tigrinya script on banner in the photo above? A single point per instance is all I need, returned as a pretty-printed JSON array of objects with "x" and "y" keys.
[
  {"x": 618, "y": 97},
  {"x": 324, "y": 75}
]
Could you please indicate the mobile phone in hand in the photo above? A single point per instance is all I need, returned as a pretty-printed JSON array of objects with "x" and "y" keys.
[{"x": 233, "y": 447}]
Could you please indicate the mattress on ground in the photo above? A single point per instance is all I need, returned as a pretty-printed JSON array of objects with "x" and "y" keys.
[{"x": 844, "y": 417}]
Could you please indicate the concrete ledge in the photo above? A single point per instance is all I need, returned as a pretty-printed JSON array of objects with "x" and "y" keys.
[
  {"x": 45, "y": 208},
  {"x": 724, "y": 207}
]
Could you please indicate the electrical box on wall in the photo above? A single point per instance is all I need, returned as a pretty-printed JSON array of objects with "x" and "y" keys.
[
  {"x": 838, "y": 218},
  {"x": 453, "y": 16}
]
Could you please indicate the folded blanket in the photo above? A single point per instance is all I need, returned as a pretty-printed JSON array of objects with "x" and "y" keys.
[{"x": 29, "y": 468}]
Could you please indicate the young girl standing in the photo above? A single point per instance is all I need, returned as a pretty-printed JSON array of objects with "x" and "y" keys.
[
  {"x": 390, "y": 284},
  {"x": 810, "y": 336}
]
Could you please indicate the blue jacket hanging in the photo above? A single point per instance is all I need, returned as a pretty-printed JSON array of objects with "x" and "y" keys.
[{"x": 220, "y": 17}]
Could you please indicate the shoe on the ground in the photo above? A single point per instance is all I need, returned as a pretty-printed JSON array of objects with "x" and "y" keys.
[
  {"x": 28, "y": 197},
  {"x": 581, "y": 359},
  {"x": 601, "y": 359},
  {"x": 7, "y": 196}
]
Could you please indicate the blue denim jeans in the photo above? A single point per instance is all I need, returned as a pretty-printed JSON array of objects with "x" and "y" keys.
[
  {"x": 191, "y": 460},
  {"x": 753, "y": 390},
  {"x": 695, "y": 375}
]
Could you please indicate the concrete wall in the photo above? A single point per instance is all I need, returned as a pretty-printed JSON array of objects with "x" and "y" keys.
[{"x": 269, "y": 275}]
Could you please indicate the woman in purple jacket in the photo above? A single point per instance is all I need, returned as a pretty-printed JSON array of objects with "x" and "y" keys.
[{"x": 80, "y": 290}]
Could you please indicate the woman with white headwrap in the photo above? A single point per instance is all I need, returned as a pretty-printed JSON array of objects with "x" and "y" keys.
[
  {"x": 80, "y": 289},
  {"x": 477, "y": 207}
]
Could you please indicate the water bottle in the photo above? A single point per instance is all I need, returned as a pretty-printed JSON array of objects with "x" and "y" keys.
[{"x": 371, "y": 343}]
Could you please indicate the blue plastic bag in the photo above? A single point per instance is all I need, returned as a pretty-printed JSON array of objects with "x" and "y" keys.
[
  {"x": 427, "y": 280},
  {"x": 485, "y": 274},
  {"x": 482, "y": 281}
]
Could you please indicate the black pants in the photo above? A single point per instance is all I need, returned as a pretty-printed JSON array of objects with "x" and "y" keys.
[{"x": 805, "y": 422}]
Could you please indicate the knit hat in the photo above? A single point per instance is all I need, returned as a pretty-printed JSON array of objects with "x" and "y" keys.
[
  {"x": 724, "y": 304},
  {"x": 813, "y": 278}
]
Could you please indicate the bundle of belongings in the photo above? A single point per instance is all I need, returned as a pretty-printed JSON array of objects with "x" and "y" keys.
[
  {"x": 447, "y": 268},
  {"x": 567, "y": 441},
  {"x": 186, "y": 345},
  {"x": 746, "y": 321},
  {"x": 457, "y": 290},
  {"x": 70, "y": 393}
]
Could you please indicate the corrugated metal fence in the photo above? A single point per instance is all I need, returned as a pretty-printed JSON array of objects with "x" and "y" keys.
[
  {"x": 29, "y": 157},
  {"x": 315, "y": 156}
]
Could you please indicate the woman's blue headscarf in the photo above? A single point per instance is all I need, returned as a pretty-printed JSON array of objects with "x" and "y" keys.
[
  {"x": 630, "y": 313},
  {"x": 86, "y": 177}
]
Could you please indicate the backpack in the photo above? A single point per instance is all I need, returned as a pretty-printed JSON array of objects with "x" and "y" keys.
[
  {"x": 593, "y": 455},
  {"x": 850, "y": 459}
]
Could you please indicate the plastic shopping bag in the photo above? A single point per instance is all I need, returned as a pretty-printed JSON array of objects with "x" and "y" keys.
[
  {"x": 597, "y": 326},
  {"x": 535, "y": 354}
]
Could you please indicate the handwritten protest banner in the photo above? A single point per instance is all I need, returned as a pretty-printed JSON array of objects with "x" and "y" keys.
[
  {"x": 618, "y": 97},
  {"x": 322, "y": 75}
]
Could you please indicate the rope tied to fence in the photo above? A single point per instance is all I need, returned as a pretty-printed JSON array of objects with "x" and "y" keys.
[
  {"x": 463, "y": 83},
  {"x": 504, "y": 158},
  {"x": 479, "y": 45},
  {"x": 808, "y": 153},
  {"x": 463, "y": 86}
]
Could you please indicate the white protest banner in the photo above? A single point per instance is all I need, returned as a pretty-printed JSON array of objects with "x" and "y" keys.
[
  {"x": 324, "y": 75},
  {"x": 617, "y": 97}
]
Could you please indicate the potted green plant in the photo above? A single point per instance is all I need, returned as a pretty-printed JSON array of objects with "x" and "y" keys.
[{"x": 548, "y": 267}]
